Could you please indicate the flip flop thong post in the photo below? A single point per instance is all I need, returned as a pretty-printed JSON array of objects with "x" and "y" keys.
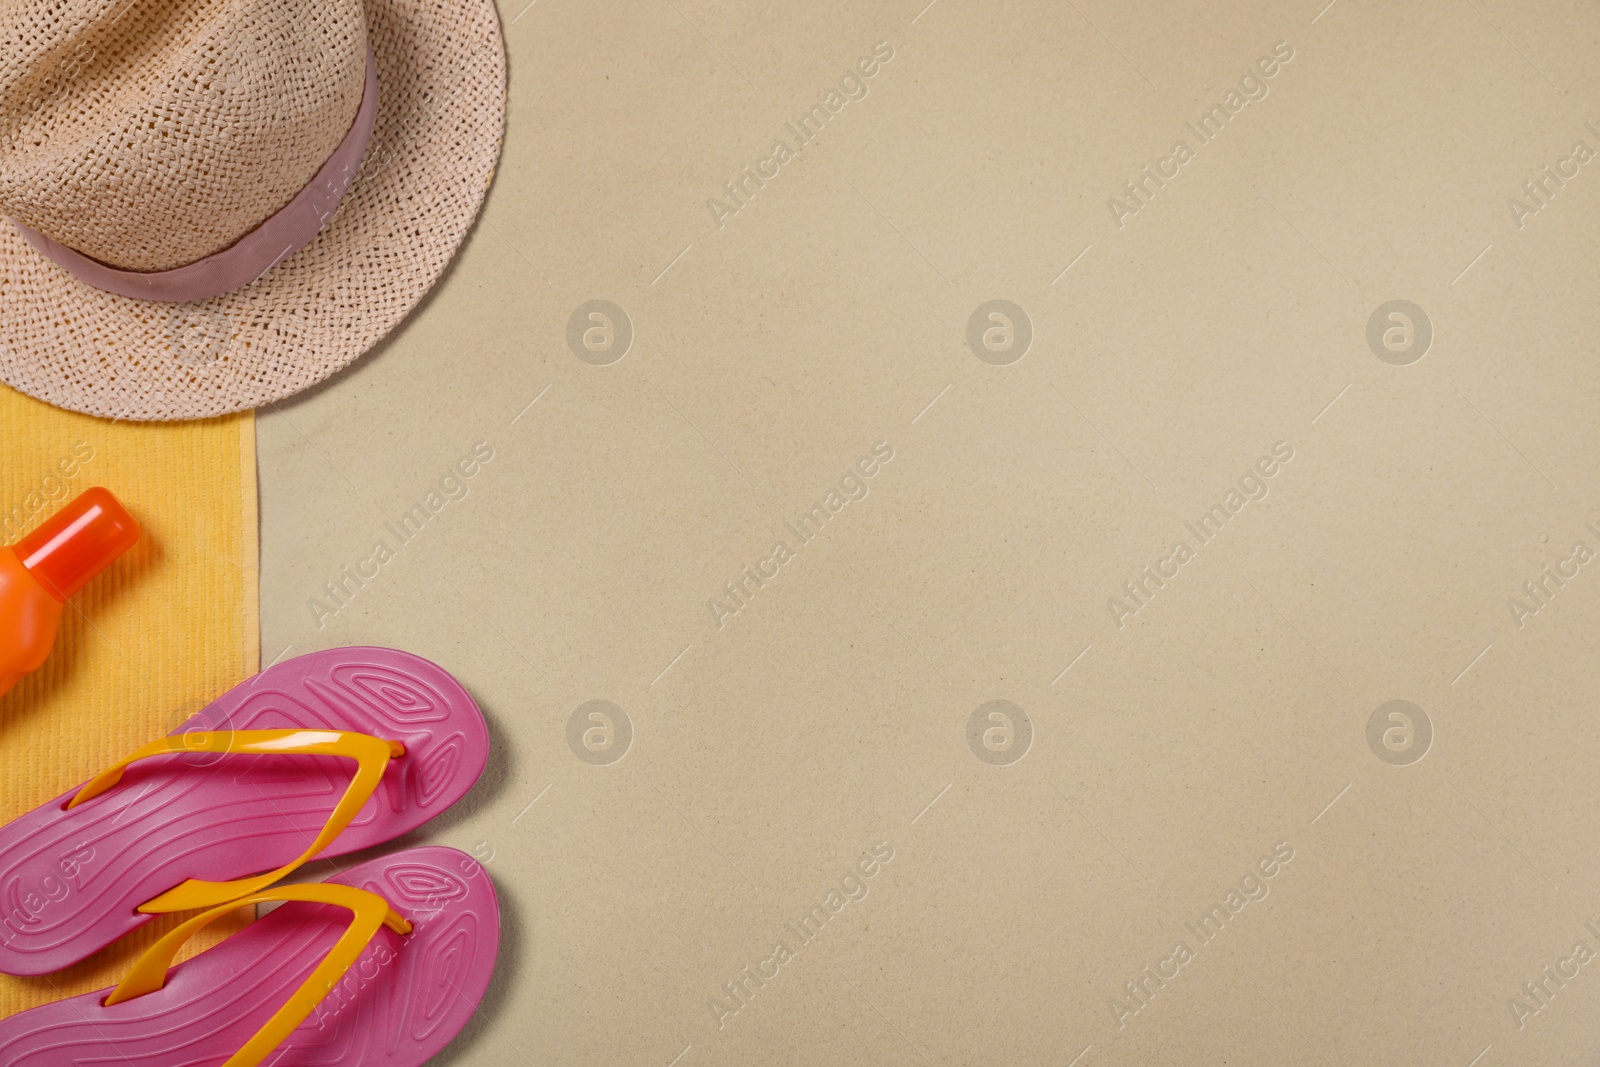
[
  {"x": 306, "y": 985},
  {"x": 320, "y": 755}
]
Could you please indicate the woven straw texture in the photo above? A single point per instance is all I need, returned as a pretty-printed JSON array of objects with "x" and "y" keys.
[
  {"x": 148, "y": 134},
  {"x": 148, "y": 642},
  {"x": 441, "y": 76}
]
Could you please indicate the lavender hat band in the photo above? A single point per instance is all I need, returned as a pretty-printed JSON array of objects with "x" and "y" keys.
[{"x": 293, "y": 227}]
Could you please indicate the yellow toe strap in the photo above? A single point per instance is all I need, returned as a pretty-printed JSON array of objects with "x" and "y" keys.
[
  {"x": 372, "y": 756},
  {"x": 149, "y": 972}
]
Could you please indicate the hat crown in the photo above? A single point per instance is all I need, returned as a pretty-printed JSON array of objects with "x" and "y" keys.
[{"x": 149, "y": 134}]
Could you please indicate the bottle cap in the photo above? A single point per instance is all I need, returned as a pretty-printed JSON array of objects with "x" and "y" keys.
[{"x": 78, "y": 542}]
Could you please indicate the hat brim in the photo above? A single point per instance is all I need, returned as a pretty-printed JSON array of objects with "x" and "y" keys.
[{"x": 435, "y": 143}]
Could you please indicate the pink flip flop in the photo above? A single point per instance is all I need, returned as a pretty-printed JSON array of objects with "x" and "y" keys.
[
  {"x": 303, "y": 985},
  {"x": 245, "y": 788}
]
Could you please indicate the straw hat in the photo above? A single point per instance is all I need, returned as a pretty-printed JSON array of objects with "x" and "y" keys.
[{"x": 209, "y": 205}]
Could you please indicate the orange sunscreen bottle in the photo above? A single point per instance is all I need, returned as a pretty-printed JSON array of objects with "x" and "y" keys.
[{"x": 39, "y": 573}]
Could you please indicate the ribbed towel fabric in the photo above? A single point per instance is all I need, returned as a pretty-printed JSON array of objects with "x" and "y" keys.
[{"x": 150, "y": 641}]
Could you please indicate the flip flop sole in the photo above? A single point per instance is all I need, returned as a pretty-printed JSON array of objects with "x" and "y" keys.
[
  {"x": 399, "y": 1005},
  {"x": 71, "y": 881}
]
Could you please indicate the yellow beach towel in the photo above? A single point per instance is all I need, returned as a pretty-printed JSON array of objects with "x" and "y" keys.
[{"x": 150, "y": 641}]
